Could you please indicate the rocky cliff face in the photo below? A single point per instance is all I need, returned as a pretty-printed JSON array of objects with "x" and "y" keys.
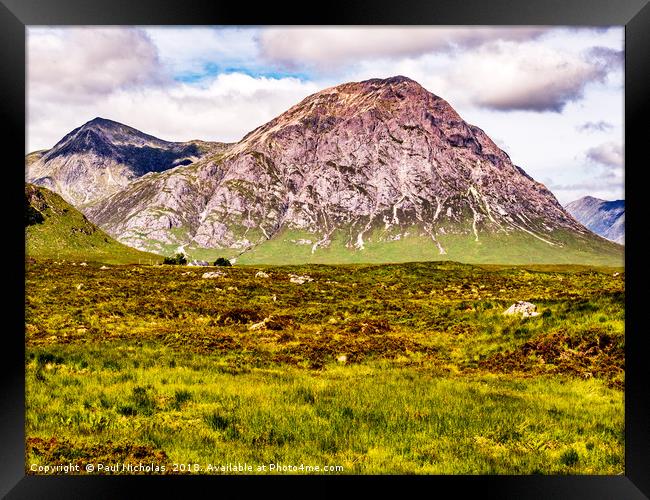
[
  {"x": 102, "y": 157},
  {"x": 375, "y": 160},
  {"x": 606, "y": 218}
]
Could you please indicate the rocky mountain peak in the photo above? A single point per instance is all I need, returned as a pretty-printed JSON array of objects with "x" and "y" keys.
[
  {"x": 357, "y": 168},
  {"x": 605, "y": 218},
  {"x": 377, "y": 105},
  {"x": 102, "y": 136},
  {"x": 102, "y": 156}
]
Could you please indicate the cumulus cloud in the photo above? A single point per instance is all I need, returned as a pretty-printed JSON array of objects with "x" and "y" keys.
[
  {"x": 508, "y": 76},
  {"x": 599, "y": 126},
  {"x": 608, "y": 155},
  {"x": 83, "y": 64},
  {"x": 222, "y": 109},
  {"x": 328, "y": 47}
]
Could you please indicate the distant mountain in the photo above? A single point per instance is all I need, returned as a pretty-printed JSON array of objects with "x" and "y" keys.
[
  {"x": 374, "y": 171},
  {"x": 103, "y": 156},
  {"x": 56, "y": 230},
  {"x": 606, "y": 218}
]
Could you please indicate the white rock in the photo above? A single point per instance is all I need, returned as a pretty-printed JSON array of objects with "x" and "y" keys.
[
  {"x": 213, "y": 274},
  {"x": 526, "y": 309},
  {"x": 300, "y": 280},
  {"x": 342, "y": 359},
  {"x": 258, "y": 326},
  {"x": 261, "y": 274},
  {"x": 198, "y": 263},
  {"x": 104, "y": 267}
]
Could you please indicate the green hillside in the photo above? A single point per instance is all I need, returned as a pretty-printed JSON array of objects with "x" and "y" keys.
[
  {"x": 54, "y": 229},
  {"x": 518, "y": 248}
]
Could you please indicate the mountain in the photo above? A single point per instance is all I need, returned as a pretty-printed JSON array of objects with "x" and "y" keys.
[
  {"x": 606, "y": 218},
  {"x": 372, "y": 171},
  {"x": 56, "y": 230},
  {"x": 103, "y": 156}
]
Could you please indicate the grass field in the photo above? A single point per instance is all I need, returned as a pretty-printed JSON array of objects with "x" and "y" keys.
[
  {"x": 405, "y": 368},
  {"x": 295, "y": 247}
]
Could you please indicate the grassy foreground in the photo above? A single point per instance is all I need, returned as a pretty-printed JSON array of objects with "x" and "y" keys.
[{"x": 407, "y": 368}]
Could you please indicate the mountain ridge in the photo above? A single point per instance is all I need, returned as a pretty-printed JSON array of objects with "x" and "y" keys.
[
  {"x": 605, "y": 218},
  {"x": 103, "y": 156},
  {"x": 357, "y": 165}
]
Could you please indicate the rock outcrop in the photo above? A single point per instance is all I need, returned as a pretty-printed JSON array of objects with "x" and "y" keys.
[{"x": 522, "y": 308}]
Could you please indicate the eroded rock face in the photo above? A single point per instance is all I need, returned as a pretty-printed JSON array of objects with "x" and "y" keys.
[
  {"x": 379, "y": 154},
  {"x": 102, "y": 157}
]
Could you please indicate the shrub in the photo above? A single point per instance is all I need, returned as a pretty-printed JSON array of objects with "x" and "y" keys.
[
  {"x": 143, "y": 402},
  {"x": 49, "y": 358},
  {"x": 222, "y": 261},
  {"x": 179, "y": 260},
  {"x": 217, "y": 422},
  {"x": 180, "y": 397},
  {"x": 569, "y": 457}
]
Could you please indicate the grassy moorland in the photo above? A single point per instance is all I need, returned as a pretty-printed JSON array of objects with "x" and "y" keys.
[{"x": 405, "y": 368}]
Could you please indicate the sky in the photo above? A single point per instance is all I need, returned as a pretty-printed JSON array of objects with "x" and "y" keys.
[{"x": 551, "y": 97}]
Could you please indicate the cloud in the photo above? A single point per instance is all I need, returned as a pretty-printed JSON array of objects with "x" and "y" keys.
[
  {"x": 331, "y": 46},
  {"x": 608, "y": 155},
  {"x": 507, "y": 76},
  {"x": 599, "y": 126},
  {"x": 193, "y": 50},
  {"x": 611, "y": 58},
  {"x": 224, "y": 108},
  {"x": 84, "y": 64},
  {"x": 599, "y": 188}
]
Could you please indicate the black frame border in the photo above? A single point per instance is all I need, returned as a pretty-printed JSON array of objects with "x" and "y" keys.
[{"x": 15, "y": 15}]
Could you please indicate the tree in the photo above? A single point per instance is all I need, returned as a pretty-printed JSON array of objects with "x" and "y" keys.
[
  {"x": 179, "y": 260},
  {"x": 221, "y": 261}
]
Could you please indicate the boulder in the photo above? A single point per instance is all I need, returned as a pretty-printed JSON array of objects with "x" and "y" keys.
[
  {"x": 525, "y": 309},
  {"x": 261, "y": 274},
  {"x": 213, "y": 274},
  {"x": 300, "y": 280},
  {"x": 198, "y": 263}
]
